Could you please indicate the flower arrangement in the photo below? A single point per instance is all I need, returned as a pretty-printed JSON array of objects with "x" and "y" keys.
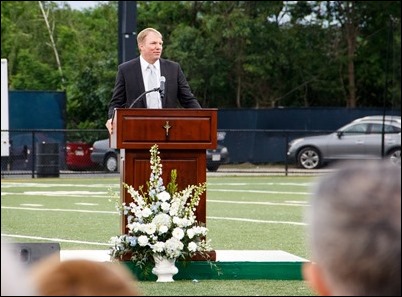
[{"x": 161, "y": 222}]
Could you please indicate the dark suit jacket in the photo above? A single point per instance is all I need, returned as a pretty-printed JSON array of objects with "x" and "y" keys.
[{"x": 130, "y": 85}]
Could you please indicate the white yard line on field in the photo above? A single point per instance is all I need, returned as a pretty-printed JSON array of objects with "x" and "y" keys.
[
  {"x": 256, "y": 202},
  {"x": 61, "y": 194},
  {"x": 256, "y": 221},
  {"x": 258, "y": 191},
  {"x": 260, "y": 184},
  {"x": 5, "y": 184},
  {"x": 116, "y": 213},
  {"x": 53, "y": 239},
  {"x": 58, "y": 209}
]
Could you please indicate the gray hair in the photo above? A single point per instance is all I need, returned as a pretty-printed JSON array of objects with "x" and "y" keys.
[{"x": 354, "y": 223}]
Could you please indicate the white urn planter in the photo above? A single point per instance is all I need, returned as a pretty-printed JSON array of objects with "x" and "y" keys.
[{"x": 164, "y": 269}]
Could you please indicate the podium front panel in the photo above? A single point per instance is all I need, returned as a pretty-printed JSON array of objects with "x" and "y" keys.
[
  {"x": 169, "y": 128},
  {"x": 182, "y": 136},
  {"x": 190, "y": 166}
]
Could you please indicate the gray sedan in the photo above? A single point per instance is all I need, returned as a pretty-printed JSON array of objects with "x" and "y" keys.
[{"x": 371, "y": 137}]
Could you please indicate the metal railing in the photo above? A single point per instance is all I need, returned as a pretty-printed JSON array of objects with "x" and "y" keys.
[{"x": 44, "y": 152}]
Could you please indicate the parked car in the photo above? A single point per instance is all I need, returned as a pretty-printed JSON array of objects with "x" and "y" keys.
[
  {"x": 78, "y": 156},
  {"x": 361, "y": 139},
  {"x": 108, "y": 158},
  {"x": 217, "y": 157},
  {"x": 105, "y": 156}
]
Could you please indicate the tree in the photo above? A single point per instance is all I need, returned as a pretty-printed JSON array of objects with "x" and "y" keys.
[{"x": 235, "y": 54}]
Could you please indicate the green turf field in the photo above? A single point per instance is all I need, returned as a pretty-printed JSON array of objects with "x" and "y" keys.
[{"x": 243, "y": 213}]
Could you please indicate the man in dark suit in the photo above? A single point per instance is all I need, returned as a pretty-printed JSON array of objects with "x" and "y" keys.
[{"x": 134, "y": 76}]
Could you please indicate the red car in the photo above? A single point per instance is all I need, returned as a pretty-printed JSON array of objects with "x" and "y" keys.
[{"x": 78, "y": 156}]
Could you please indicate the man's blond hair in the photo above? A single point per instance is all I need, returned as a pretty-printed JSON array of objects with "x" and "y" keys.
[{"x": 144, "y": 33}]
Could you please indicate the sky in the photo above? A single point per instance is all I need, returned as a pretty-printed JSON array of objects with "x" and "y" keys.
[{"x": 82, "y": 4}]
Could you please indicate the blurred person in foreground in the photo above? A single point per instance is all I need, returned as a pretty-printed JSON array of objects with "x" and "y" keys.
[
  {"x": 354, "y": 224},
  {"x": 134, "y": 78},
  {"x": 80, "y": 277},
  {"x": 15, "y": 279}
]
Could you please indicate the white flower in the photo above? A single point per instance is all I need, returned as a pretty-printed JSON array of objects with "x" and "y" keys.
[
  {"x": 190, "y": 233},
  {"x": 150, "y": 228},
  {"x": 161, "y": 221},
  {"x": 174, "y": 209},
  {"x": 143, "y": 240},
  {"x": 177, "y": 221},
  {"x": 146, "y": 212},
  {"x": 185, "y": 223},
  {"x": 199, "y": 230},
  {"x": 192, "y": 246},
  {"x": 115, "y": 240},
  {"x": 163, "y": 229},
  {"x": 178, "y": 233},
  {"x": 173, "y": 247},
  {"x": 164, "y": 196},
  {"x": 165, "y": 206},
  {"x": 158, "y": 247}
]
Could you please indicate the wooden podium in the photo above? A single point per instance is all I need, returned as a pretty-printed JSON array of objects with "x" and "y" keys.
[{"x": 182, "y": 135}]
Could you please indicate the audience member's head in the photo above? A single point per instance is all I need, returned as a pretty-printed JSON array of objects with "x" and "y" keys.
[
  {"x": 354, "y": 223},
  {"x": 80, "y": 277},
  {"x": 14, "y": 274}
]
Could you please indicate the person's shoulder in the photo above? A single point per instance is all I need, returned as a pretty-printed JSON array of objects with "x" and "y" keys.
[
  {"x": 168, "y": 62},
  {"x": 129, "y": 63}
]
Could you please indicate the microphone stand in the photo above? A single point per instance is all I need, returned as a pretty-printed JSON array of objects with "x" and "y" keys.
[{"x": 137, "y": 99}]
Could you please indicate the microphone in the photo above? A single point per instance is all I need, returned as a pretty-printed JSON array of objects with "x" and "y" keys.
[
  {"x": 142, "y": 95},
  {"x": 162, "y": 87}
]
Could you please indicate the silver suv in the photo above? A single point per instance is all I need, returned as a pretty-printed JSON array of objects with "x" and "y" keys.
[{"x": 360, "y": 139}]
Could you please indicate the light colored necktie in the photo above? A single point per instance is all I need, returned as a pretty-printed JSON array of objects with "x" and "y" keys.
[{"x": 153, "y": 100}]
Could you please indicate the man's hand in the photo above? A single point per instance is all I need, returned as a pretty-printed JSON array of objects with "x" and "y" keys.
[{"x": 109, "y": 126}]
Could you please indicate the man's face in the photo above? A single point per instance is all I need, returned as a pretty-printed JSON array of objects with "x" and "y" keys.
[{"x": 151, "y": 47}]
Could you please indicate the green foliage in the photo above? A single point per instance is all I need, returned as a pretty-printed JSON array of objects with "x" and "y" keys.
[
  {"x": 172, "y": 186},
  {"x": 259, "y": 54}
]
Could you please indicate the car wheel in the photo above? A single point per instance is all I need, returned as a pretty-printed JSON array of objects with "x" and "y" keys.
[
  {"x": 309, "y": 158},
  {"x": 395, "y": 157},
  {"x": 213, "y": 168},
  {"x": 110, "y": 163}
]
